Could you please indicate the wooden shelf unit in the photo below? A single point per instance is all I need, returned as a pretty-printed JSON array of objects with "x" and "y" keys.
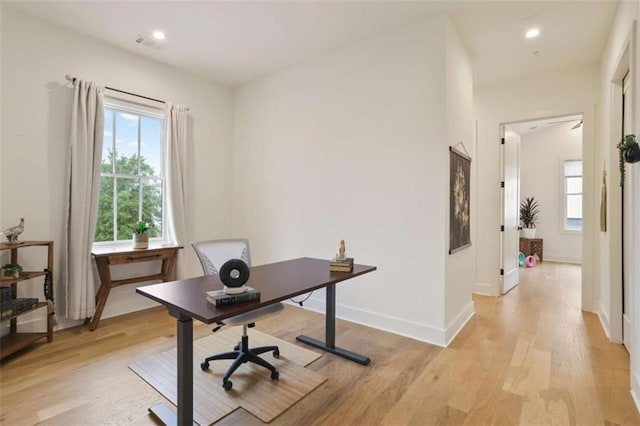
[
  {"x": 6, "y": 282},
  {"x": 15, "y": 341}
]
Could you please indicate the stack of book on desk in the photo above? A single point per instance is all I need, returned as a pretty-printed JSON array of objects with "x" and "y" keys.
[
  {"x": 219, "y": 298},
  {"x": 344, "y": 265}
]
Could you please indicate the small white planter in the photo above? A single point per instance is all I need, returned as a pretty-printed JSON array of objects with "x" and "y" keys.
[
  {"x": 140, "y": 241},
  {"x": 528, "y": 233}
]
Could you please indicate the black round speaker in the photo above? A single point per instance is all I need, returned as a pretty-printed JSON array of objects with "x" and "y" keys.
[{"x": 234, "y": 273}]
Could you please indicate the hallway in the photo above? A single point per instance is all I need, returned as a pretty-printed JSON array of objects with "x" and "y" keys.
[{"x": 530, "y": 357}]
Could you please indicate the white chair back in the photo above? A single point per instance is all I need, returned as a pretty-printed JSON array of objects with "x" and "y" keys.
[{"x": 214, "y": 253}]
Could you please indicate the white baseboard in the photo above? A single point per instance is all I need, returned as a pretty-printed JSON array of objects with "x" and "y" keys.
[
  {"x": 401, "y": 327},
  {"x": 28, "y": 325},
  {"x": 635, "y": 390},
  {"x": 626, "y": 327},
  {"x": 459, "y": 322},
  {"x": 563, "y": 259},
  {"x": 485, "y": 289},
  {"x": 604, "y": 321},
  {"x": 122, "y": 300}
]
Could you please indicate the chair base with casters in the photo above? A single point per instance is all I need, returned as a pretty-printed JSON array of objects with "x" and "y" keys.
[{"x": 242, "y": 354}]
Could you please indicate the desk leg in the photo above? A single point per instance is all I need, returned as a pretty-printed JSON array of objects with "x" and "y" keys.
[
  {"x": 329, "y": 344},
  {"x": 167, "y": 266},
  {"x": 185, "y": 376},
  {"x": 103, "y": 291}
]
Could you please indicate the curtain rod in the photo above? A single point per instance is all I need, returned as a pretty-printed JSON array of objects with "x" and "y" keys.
[{"x": 73, "y": 79}]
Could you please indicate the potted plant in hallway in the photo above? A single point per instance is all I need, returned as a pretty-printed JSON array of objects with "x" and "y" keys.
[
  {"x": 528, "y": 217},
  {"x": 628, "y": 152},
  {"x": 141, "y": 235}
]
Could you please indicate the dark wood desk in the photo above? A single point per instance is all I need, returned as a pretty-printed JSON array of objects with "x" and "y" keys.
[
  {"x": 107, "y": 256},
  {"x": 186, "y": 301}
]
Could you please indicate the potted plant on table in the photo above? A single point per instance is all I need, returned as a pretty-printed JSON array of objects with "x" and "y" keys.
[
  {"x": 628, "y": 152},
  {"x": 141, "y": 234},
  {"x": 528, "y": 217}
]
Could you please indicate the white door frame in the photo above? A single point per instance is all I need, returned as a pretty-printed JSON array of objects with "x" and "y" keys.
[
  {"x": 624, "y": 64},
  {"x": 583, "y": 290}
]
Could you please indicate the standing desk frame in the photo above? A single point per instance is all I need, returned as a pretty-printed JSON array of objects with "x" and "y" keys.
[{"x": 186, "y": 301}]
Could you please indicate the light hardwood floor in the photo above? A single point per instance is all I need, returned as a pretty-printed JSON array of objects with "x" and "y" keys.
[{"x": 530, "y": 358}]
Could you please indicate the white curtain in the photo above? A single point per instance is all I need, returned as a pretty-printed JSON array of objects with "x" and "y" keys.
[
  {"x": 175, "y": 163},
  {"x": 87, "y": 126}
]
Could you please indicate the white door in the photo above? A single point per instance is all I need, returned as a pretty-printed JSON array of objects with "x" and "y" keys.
[
  {"x": 510, "y": 246},
  {"x": 627, "y": 197}
]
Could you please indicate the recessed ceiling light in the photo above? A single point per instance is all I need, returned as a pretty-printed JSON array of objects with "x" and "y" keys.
[
  {"x": 532, "y": 33},
  {"x": 158, "y": 35}
]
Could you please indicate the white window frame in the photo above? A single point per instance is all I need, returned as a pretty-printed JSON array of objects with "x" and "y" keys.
[
  {"x": 144, "y": 111},
  {"x": 563, "y": 219}
]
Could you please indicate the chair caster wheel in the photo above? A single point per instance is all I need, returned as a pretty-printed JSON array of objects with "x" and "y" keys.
[
  {"x": 276, "y": 353},
  {"x": 227, "y": 385},
  {"x": 204, "y": 366},
  {"x": 275, "y": 375},
  {"x": 236, "y": 348}
]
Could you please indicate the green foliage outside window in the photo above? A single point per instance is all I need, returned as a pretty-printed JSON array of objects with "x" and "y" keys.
[{"x": 128, "y": 198}]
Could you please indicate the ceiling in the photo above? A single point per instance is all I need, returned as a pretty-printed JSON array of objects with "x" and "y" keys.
[
  {"x": 529, "y": 127},
  {"x": 234, "y": 42}
]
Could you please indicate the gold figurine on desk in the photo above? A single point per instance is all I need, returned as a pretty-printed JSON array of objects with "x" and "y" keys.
[
  {"x": 341, "y": 263},
  {"x": 341, "y": 250}
]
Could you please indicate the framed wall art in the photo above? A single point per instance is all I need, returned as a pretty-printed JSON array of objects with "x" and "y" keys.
[{"x": 459, "y": 200}]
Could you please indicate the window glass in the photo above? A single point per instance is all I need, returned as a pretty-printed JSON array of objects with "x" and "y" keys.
[
  {"x": 132, "y": 175},
  {"x": 104, "y": 225},
  {"x": 152, "y": 205},
  {"x": 151, "y": 145},
  {"x": 126, "y": 143},
  {"x": 574, "y": 206},
  {"x": 573, "y": 168},
  {"x": 572, "y": 195},
  {"x": 574, "y": 185}
]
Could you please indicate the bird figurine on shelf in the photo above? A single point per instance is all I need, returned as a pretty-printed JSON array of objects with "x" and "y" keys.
[{"x": 13, "y": 232}]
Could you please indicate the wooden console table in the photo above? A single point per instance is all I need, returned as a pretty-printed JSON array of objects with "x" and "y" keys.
[
  {"x": 531, "y": 246},
  {"x": 119, "y": 256}
]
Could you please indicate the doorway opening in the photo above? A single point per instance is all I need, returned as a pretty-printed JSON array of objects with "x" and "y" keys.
[{"x": 541, "y": 160}]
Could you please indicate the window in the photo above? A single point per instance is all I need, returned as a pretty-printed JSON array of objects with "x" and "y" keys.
[
  {"x": 573, "y": 195},
  {"x": 132, "y": 172}
]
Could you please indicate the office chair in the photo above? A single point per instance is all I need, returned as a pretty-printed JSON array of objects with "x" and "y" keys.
[{"x": 213, "y": 254}]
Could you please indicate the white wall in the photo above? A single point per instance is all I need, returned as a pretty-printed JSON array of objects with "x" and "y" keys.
[
  {"x": 546, "y": 95},
  {"x": 542, "y": 156},
  {"x": 353, "y": 145},
  {"x": 36, "y": 115},
  {"x": 460, "y": 266},
  {"x": 609, "y": 243}
]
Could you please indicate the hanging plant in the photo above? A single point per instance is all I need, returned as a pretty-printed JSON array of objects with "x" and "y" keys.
[{"x": 628, "y": 152}]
